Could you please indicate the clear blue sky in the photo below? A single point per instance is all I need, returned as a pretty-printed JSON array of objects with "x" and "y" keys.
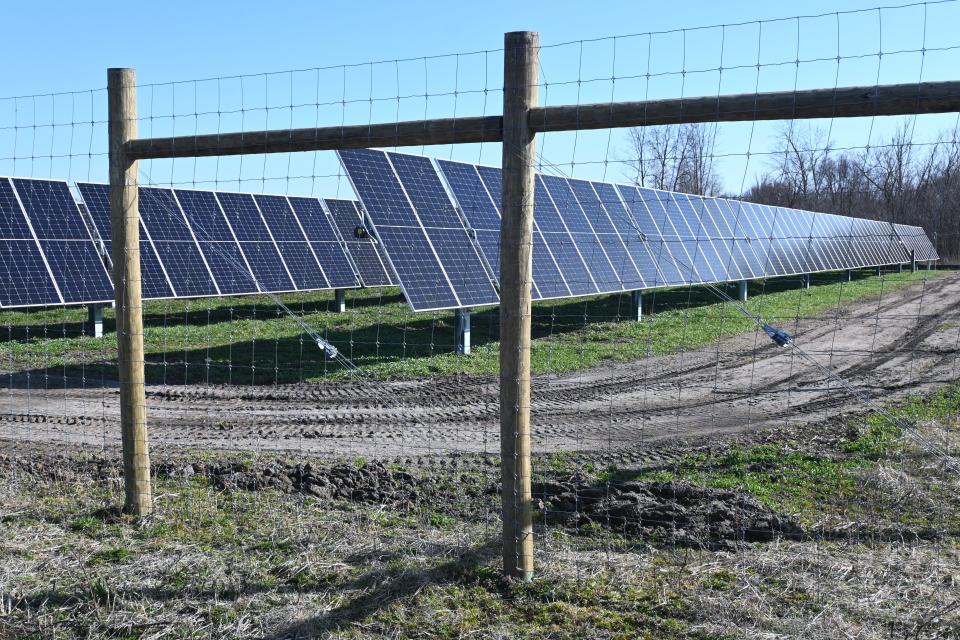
[{"x": 67, "y": 46}]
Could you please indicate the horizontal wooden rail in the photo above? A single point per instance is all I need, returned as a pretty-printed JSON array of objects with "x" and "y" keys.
[
  {"x": 844, "y": 102},
  {"x": 393, "y": 134}
]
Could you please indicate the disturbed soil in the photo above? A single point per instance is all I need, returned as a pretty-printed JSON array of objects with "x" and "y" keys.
[{"x": 904, "y": 342}]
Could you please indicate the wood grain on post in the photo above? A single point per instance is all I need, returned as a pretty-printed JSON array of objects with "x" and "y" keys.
[
  {"x": 520, "y": 71},
  {"x": 125, "y": 232}
]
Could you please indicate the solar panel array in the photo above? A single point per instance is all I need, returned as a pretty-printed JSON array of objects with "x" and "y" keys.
[
  {"x": 193, "y": 243},
  {"x": 434, "y": 228},
  {"x": 439, "y": 222}
]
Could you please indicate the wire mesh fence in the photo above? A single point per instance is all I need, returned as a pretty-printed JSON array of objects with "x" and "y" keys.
[{"x": 326, "y": 461}]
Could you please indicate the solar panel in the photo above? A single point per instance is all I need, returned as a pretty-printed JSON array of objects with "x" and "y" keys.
[
  {"x": 589, "y": 246},
  {"x": 455, "y": 250},
  {"x": 253, "y": 236},
  {"x": 411, "y": 252},
  {"x": 478, "y": 206},
  {"x": 176, "y": 247},
  {"x": 548, "y": 281},
  {"x": 324, "y": 241},
  {"x": 153, "y": 280},
  {"x": 215, "y": 237},
  {"x": 71, "y": 255},
  {"x": 625, "y": 270},
  {"x": 916, "y": 240},
  {"x": 27, "y": 280},
  {"x": 304, "y": 266},
  {"x": 372, "y": 266}
]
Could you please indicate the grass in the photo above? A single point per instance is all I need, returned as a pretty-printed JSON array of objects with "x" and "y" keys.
[
  {"x": 239, "y": 564},
  {"x": 250, "y": 341},
  {"x": 820, "y": 485}
]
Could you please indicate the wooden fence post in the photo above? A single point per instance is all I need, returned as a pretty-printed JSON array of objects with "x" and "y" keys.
[
  {"x": 125, "y": 231},
  {"x": 520, "y": 77}
]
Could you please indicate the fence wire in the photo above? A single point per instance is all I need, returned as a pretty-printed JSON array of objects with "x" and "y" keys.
[{"x": 328, "y": 471}]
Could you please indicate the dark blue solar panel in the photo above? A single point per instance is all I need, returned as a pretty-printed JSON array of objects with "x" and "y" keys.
[
  {"x": 13, "y": 224},
  {"x": 174, "y": 243},
  {"x": 444, "y": 227},
  {"x": 25, "y": 276},
  {"x": 590, "y": 245},
  {"x": 373, "y": 267},
  {"x": 72, "y": 256},
  {"x": 153, "y": 282},
  {"x": 622, "y": 222},
  {"x": 324, "y": 241},
  {"x": 478, "y": 205},
  {"x": 262, "y": 255},
  {"x": 738, "y": 265},
  {"x": 244, "y": 216},
  {"x": 280, "y": 218},
  {"x": 303, "y": 265},
  {"x": 216, "y": 241},
  {"x": 417, "y": 267},
  {"x": 650, "y": 219},
  {"x": 561, "y": 244},
  {"x": 51, "y": 209},
  {"x": 547, "y": 280}
]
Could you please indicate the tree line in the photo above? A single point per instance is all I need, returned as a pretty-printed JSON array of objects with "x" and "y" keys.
[{"x": 895, "y": 180}]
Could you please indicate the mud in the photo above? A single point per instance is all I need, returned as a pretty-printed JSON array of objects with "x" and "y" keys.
[{"x": 903, "y": 343}]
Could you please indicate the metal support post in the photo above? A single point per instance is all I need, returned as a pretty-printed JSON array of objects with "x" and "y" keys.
[
  {"x": 339, "y": 300},
  {"x": 636, "y": 305},
  {"x": 462, "y": 337},
  {"x": 95, "y": 320},
  {"x": 742, "y": 291}
]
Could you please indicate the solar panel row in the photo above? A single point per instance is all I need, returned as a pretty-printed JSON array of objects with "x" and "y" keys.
[
  {"x": 220, "y": 243},
  {"x": 593, "y": 237},
  {"x": 193, "y": 243},
  {"x": 47, "y": 255}
]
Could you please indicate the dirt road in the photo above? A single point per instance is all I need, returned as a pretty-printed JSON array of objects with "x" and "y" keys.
[{"x": 907, "y": 341}]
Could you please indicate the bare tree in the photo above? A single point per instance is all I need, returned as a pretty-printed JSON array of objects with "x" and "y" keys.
[{"x": 675, "y": 158}]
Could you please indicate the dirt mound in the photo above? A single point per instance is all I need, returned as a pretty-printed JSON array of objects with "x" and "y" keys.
[{"x": 667, "y": 513}]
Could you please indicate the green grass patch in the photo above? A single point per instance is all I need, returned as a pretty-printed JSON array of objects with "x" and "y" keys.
[
  {"x": 811, "y": 483},
  {"x": 249, "y": 340}
]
